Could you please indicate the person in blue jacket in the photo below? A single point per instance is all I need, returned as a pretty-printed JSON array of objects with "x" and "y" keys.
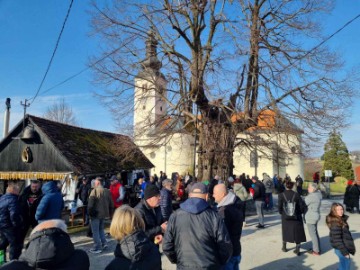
[
  {"x": 51, "y": 204},
  {"x": 10, "y": 222}
]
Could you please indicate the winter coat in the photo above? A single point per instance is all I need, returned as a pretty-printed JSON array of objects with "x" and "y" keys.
[
  {"x": 115, "y": 190},
  {"x": 84, "y": 192},
  {"x": 50, "y": 249},
  {"x": 340, "y": 237},
  {"x": 135, "y": 251},
  {"x": 28, "y": 209},
  {"x": 241, "y": 192},
  {"x": 10, "y": 211},
  {"x": 259, "y": 191},
  {"x": 196, "y": 237},
  {"x": 100, "y": 203},
  {"x": 51, "y": 204},
  {"x": 313, "y": 203},
  {"x": 152, "y": 218},
  {"x": 166, "y": 203},
  {"x": 292, "y": 227},
  {"x": 269, "y": 185},
  {"x": 231, "y": 210},
  {"x": 351, "y": 197}
]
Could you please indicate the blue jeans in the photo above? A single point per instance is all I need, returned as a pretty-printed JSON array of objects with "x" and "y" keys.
[
  {"x": 12, "y": 237},
  {"x": 97, "y": 227},
  {"x": 344, "y": 263},
  {"x": 233, "y": 264}
]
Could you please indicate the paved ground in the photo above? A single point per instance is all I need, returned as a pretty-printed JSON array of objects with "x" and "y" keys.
[{"x": 261, "y": 249}]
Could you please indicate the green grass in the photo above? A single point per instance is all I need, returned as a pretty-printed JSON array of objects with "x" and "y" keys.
[{"x": 338, "y": 186}]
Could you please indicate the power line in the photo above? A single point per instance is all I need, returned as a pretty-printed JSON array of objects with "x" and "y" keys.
[
  {"x": 322, "y": 42},
  {"x": 53, "y": 54},
  {"x": 85, "y": 69},
  {"x": 124, "y": 45}
]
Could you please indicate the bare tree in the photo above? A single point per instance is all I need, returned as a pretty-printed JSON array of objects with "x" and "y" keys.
[
  {"x": 227, "y": 64},
  {"x": 61, "y": 112}
]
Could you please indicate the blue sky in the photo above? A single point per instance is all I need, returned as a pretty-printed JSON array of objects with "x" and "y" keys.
[{"x": 29, "y": 30}]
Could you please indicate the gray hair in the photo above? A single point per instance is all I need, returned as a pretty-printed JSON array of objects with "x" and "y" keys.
[
  {"x": 314, "y": 186},
  {"x": 167, "y": 181}
]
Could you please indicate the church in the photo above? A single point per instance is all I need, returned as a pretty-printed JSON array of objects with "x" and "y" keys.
[{"x": 176, "y": 150}]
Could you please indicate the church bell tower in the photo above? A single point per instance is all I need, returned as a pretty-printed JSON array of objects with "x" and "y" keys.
[{"x": 150, "y": 91}]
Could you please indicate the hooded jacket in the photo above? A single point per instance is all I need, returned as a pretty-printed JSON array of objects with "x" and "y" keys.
[
  {"x": 51, "y": 204},
  {"x": 135, "y": 251},
  {"x": 230, "y": 209},
  {"x": 50, "y": 249},
  {"x": 196, "y": 237}
]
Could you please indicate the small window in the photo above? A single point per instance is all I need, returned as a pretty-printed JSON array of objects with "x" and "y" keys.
[
  {"x": 253, "y": 159},
  {"x": 160, "y": 108},
  {"x": 144, "y": 107}
]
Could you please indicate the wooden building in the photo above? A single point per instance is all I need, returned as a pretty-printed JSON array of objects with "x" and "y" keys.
[{"x": 38, "y": 148}]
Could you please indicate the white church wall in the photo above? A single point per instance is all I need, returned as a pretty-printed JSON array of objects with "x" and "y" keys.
[
  {"x": 242, "y": 162},
  {"x": 293, "y": 163},
  {"x": 176, "y": 156}
]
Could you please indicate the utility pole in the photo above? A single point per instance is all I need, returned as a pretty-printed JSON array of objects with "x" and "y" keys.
[
  {"x": 25, "y": 105},
  {"x": 195, "y": 141}
]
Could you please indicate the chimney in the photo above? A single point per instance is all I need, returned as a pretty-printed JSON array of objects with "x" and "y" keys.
[{"x": 7, "y": 118}]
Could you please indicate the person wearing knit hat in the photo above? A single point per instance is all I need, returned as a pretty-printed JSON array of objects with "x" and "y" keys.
[
  {"x": 151, "y": 191},
  {"x": 150, "y": 211}
]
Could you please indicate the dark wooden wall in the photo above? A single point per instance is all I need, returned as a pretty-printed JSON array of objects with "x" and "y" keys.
[{"x": 45, "y": 156}]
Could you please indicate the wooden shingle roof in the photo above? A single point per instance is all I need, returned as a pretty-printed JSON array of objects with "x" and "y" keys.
[{"x": 91, "y": 151}]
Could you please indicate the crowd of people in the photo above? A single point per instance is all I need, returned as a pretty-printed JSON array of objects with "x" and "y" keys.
[{"x": 204, "y": 232}]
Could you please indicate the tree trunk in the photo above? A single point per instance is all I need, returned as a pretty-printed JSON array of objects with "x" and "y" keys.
[{"x": 215, "y": 155}]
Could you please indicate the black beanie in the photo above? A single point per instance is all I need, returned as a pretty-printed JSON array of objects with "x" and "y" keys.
[{"x": 151, "y": 191}]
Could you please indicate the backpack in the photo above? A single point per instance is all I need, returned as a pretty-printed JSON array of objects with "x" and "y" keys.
[{"x": 290, "y": 206}]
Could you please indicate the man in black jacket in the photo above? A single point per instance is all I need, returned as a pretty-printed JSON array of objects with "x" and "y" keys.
[
  {"x": 230, "y": 209},
  {"x": 150, "y": 211},
  {"x": 259, "y": 198},
  {"x": 196, "y": 236},
  {"x": 29, "y": 201},
  {"x": 11, "y": 221},
  {"x": 83, "y": 192}
]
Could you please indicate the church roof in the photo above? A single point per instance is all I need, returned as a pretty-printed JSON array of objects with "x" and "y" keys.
[
  {"x": 267, "y": 120},
  {"x": 270, "y": 120}
]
